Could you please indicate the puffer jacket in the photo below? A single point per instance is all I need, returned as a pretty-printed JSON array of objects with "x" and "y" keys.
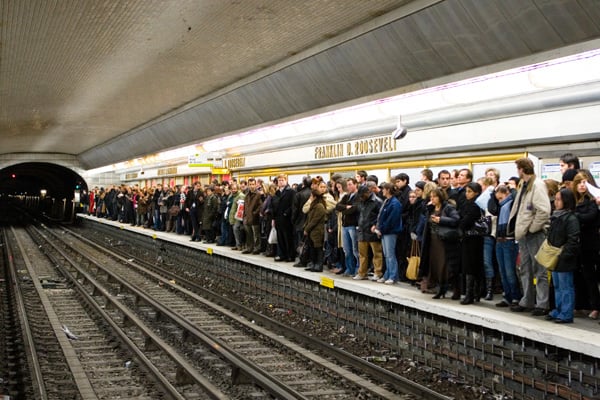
[
  {"x": 533, "y": 212},
  {"x": 564, "y": 232}
]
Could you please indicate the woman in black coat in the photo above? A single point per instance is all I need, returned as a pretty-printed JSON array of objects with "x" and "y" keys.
[
  {"x": 564, "y": 232},
  {"x": 588, "y": 215},
  {"x": 471, "y": 246},
  {"x": 439, "y": 257}
]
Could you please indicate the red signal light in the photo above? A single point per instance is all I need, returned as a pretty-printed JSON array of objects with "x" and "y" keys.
[{"x": 13, "y": 176}]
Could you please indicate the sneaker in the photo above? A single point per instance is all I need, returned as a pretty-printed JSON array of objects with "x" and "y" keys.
[
  {"x": 375, "y": 277},
  {"x": 359, "y": 277},
  {"x": 389, "y": 282},
  {"x": 380, "y": 280}
]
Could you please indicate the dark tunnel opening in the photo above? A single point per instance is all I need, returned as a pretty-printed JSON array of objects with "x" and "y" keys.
[{"x": 41, "y": 186}]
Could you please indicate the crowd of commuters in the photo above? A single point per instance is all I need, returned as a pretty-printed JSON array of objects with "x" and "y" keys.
[{"x": 359, "y": 228}]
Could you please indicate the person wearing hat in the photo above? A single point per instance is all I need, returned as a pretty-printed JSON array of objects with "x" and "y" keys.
[{"x": 567, "y": 178}]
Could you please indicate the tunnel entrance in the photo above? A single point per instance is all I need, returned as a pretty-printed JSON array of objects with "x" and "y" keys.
[{"x": 41, "y": 186}]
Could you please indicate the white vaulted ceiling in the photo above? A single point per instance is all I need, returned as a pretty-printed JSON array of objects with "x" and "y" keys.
[{"x": 111, "y": 80}]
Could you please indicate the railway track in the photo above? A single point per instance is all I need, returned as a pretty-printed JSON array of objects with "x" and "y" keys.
[
  {"x": 182, "y": 318},
  {"x": 113, "y": 327},
  {"x": 379, "y": 378}
]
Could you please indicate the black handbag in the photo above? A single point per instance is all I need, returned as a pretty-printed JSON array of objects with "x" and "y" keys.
[
  {"x": 448, "y": 233},
  {"x": 303, "y": 250},
  {"x": 482, "y": 227}
]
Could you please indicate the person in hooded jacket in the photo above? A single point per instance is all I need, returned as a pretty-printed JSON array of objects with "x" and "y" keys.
[{"x": 564, "y": 233}]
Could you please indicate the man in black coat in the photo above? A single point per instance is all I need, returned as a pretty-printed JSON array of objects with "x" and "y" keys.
[
  {"x": 282, "y": 218},
  {"x": 298, "y": 217}
]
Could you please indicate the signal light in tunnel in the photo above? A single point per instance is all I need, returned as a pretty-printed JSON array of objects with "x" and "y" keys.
[{"x": 13, "y": 176}]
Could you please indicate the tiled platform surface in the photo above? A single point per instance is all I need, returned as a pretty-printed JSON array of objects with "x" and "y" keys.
[{"x": 583, "y": 336}]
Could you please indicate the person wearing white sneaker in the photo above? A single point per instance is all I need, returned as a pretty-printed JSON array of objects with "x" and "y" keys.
[
  {"x": 359, "y": 277},
  {"x": 390, "y": 282}
]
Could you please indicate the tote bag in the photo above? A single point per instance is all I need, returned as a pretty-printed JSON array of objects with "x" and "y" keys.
[
  {"x": 239, "y": 213},
  {"x": 272, "y": 239},
  {"x": 547, "y": 255},
  {"x": 412, "y": 271}
]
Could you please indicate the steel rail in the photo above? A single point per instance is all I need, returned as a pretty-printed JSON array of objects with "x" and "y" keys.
[
  {"x": 399, "y": 382},
  {"x": 37, "y": 376},
  {"x": 252, "y": 371},
  {"x": 169, "y": 389}
]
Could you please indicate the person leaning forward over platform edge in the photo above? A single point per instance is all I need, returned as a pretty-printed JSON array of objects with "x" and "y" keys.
[{"x": 529, "y": 216}]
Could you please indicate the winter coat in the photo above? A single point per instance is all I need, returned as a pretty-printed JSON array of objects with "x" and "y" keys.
[
  {"x": 389, "y": 220},
  {"x": 564, "y": 232},
  {"x": 349, "y": 215},
  {"x": 211, "y": 211},
  {"x": 530, "y": 211},
  {"x": 368, "y": 213},
  {"x": 235, "y": 201},
  {"x": 315, "y": 224},
  {"x": 588, "y": 215},
  {"x": 448, "y": 217},
  {"x": 252, "y": 204}
]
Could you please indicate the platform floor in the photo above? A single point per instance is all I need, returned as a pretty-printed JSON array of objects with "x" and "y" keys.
[{"x": 582, "y": 336}]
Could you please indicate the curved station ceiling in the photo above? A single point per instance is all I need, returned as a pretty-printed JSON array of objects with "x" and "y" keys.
[{"x": 107, "y": 81}]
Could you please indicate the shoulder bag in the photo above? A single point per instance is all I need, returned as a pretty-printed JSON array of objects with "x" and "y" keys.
[
  {"x": 448, "y": 233},
  {"x": 547, "y": 255},
  {"x": 482, "y": 227},
  {"x": 412, "y": 270}
]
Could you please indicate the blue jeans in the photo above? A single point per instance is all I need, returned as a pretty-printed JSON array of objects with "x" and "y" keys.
[
  {"x": 506, "y": 253},
  {"x": 564, "y": 295},
  {"x": 225, "y": 233},
  {"x": 350, "y": 245},
  {"x": 388, "y": 242},
  {"x": 488, "y": 256}
]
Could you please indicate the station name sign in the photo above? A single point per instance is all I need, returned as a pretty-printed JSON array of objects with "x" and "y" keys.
[{"x": 377, "y": 145}]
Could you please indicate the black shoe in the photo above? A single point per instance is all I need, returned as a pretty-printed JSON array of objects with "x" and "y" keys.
[
  {"x": 502, "y": 304},
  {"x": 519, "y": 308},
  {"x": 538, "y": 312},
  {"x": 246, "y": 252},
  {"x": 549, "y": 317},
  {"x": 279, "y": 259},
  {"x": 299, "y": 265},
  {"x": 563, "y": 321}
]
